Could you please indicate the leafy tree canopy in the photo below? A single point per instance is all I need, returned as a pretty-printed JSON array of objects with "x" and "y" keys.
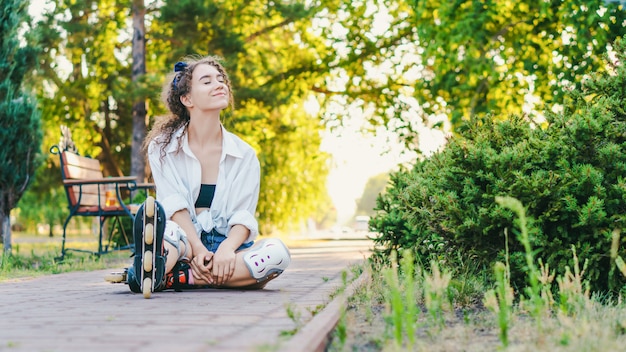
[
  {"x": 399, "y": 64},
  {"x": 86, "y": 84},
  {"x": 444, "y": 61}
]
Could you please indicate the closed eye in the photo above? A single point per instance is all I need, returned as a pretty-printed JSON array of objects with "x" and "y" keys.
[{"x": 207, "y": 79}]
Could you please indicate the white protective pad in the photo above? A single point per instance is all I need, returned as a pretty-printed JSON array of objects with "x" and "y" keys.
[
  {"x": 269, "y": 256},
  {"x": 174, "y": 234}
]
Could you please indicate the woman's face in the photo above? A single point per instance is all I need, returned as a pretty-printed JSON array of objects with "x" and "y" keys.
[{"x": 208, "y": 90}]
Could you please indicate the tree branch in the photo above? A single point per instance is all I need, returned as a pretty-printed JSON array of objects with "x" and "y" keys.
[
  {"x": 268, "y": 29},
  {"x": 324, "y": 91},
  {"x": 325, "y": 66}
]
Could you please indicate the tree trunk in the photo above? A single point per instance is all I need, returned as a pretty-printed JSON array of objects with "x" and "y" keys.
[
  {"x": 140, "y": 122},
  {"x": 106, "y": 158},
  {"x": 5, "y": 228}
]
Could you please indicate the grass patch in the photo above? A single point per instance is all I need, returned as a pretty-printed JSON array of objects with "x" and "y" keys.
[{"x": 34, "y": 256}]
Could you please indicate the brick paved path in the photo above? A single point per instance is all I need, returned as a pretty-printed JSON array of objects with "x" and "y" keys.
[{"x": 82, "y": 312}]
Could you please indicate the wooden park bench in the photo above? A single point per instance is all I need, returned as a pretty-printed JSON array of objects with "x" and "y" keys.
[{"x": 91, "y": 194}]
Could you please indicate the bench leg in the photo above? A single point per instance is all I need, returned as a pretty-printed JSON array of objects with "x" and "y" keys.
[{"x": 67, "y": 221}]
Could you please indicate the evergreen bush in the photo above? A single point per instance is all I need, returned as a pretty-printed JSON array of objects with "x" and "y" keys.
[{"x": 569, "y": 172}]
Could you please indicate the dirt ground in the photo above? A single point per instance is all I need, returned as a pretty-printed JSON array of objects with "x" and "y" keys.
[{"x": 464, "y": 330}]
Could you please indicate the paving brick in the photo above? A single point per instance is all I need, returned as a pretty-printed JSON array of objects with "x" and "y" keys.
[{"x": 80, "y": 312}]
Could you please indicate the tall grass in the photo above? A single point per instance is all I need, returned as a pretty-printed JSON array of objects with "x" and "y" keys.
[
  {"x": 424, "y": 312},
  {"x": 500, "y": 301}
]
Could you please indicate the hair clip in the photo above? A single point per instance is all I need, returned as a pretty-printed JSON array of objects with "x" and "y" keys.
[{"x": 180, "y": 66}]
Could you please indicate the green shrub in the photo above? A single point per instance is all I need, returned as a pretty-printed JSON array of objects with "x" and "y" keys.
[{"x": 569, "y": 172}]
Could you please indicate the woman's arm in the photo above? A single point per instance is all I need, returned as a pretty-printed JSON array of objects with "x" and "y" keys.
[
  {"x": 200, "y": 256},
  {"x": 225, "y": 256}
]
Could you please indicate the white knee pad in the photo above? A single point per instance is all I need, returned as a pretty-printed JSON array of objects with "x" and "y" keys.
[
  {"x": 174, "y": 234},
  {"x": 267, "y": 259}
]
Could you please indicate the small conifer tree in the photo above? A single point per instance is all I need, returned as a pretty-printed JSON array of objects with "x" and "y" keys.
[{"x": 20, "y": 125}]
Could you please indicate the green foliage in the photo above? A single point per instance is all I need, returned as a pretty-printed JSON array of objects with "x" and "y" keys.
[
  {"x": 16, "y": 59},
  {"x": 481, "y": 57},
  {"x": 569, "y": 174}
]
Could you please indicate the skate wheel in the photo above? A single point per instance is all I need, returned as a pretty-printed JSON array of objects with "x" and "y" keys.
[
  {"x": 146, "y": 289},
  {"x": 148, "y": 234},
  {"x": 149, "y": 207},
  {"x": 147, "y": 261},
  {"x": 115, "y": 278}
]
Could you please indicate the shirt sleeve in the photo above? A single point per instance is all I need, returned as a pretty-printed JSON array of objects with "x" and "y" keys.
[
  {"x": 169, "y": 192},
  {"x": 245, "y": 196}
]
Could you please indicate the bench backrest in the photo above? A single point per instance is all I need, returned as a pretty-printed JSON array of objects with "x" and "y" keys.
[{"x": 76, "y": 167}]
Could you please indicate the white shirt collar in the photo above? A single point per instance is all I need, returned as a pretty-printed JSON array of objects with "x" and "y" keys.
[{"x": 229, "y": 144}]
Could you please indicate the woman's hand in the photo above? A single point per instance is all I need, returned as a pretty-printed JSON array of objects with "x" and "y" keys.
[
  {"x": 201, "y": 266},
  {"x": 223, "y": 265}
]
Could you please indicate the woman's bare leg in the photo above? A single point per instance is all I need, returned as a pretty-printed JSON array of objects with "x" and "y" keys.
[{"x": 172, "y": 255}]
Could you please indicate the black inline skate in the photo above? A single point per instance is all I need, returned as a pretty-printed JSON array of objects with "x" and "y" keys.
[{"x": 147, "y": 274}]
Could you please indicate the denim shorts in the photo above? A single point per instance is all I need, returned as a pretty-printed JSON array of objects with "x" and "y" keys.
[{"x": 212, "y": 240}]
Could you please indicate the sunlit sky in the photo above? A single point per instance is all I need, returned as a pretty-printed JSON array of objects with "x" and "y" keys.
[{"x": 357, "y": 157}]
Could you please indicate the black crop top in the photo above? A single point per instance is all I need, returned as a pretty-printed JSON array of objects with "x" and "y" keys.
[{"x": 205, "y": 198}]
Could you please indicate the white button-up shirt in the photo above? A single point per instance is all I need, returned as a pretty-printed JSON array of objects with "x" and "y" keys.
[{"x": 178, "y": 175}]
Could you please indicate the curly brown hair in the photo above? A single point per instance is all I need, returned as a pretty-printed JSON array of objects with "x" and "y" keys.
[{"x": 178, "y": 84}]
